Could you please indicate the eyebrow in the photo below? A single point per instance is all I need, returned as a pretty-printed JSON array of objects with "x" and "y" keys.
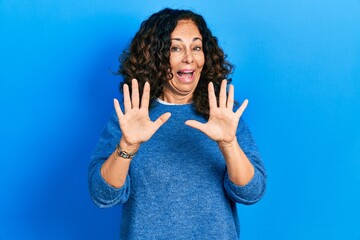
[{"x": 179, "y": 39}]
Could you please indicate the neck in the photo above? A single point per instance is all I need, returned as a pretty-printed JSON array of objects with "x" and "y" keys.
[{"x": 177, "y": 99}]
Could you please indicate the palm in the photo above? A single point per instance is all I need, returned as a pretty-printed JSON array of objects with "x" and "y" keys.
[
  {"x": 223, "y": 122},
  {"x": 221, "y": 126},
  {"x": 135, "y": 124}
]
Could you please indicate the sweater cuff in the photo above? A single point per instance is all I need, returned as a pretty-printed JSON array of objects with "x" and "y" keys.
[
  {"x": 247, "y": 194},
  {"x": 107, "y": 195}
]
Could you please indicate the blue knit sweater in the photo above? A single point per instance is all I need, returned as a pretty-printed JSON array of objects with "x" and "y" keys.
[{"x": 177, "y": 186}]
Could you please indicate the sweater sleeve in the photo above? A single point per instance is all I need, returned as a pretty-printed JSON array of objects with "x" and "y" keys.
[
  {"x": 103, "y": 194},
  {"x": 254, "y": 190}
]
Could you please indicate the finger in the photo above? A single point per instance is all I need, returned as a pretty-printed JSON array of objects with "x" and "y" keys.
[
  {"x": 230, "y": 98},
  {"x": 135, "y": 93},
  {"x": 119, "y": 113},
  {"x": 161, "y": 120},
  {"x": 242, "y": 108},
  {"x": 195, "y": 124},
  {"x": 212, "y": 97},
  {"x": 127, "y": 101},
  {"x": 222, "y": 95},
  {"x": 146, "y": 96}
]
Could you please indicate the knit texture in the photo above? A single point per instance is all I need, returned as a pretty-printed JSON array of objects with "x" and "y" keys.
[{"x": 177, "y": 186}]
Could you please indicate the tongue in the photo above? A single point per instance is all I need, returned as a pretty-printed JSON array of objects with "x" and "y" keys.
[{"x": 185, "y": 77}]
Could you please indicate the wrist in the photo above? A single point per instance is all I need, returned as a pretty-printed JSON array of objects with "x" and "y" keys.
[
  {"x": 231, "y": 144},
  {"x": 123, "y": 154},
  {"x": 127, "y": 147}
]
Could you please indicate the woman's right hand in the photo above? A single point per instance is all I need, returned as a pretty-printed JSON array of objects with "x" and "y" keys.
[{"x": 135, "y": 124}]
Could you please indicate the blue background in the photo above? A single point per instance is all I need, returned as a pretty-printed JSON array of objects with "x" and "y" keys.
[{"x": 298, "y": 62}]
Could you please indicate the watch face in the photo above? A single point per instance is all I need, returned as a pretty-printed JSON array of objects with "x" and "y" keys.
[
  {"x": 122, "y": 153},
  {"x": 125, "y": 154}
]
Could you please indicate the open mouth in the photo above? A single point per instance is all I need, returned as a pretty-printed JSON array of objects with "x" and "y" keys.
[{"x": 185, "y": 74}]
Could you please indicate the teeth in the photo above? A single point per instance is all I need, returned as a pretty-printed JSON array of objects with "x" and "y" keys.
[{"x": 183, "y": 73}]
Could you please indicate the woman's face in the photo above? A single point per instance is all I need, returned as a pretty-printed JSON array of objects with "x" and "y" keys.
[{"x": 186, "y": 61}]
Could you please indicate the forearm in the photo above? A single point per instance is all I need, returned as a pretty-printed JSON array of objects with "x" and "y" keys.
[
  {"x": 115, "y": 169},
  {"x": 239, "y": 167}
]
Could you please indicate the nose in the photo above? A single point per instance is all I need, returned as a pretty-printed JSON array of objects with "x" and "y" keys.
[{"x": 188, "y": 57}]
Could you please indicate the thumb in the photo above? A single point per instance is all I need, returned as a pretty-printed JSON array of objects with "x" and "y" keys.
[
  {"x": 195, "y": 124},
  {"x": 162, "y": 119}
]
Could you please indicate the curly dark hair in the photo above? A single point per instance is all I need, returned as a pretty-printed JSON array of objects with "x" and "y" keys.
[{"x": 148, "y": 57}]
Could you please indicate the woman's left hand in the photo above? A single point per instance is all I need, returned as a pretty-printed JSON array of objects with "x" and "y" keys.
[{"x": 222, "y": 124}]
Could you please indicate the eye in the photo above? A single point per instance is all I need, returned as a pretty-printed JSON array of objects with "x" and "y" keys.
[
  {"x": 197, "y": 48},
  {"x": 175, "y": 49}
]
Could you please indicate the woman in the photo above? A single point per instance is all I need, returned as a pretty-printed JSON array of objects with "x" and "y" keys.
[{"x": 176, "y": 154}]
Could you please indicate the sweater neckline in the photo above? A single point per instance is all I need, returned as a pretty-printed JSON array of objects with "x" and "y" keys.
[{"x": 172, "y": 104}]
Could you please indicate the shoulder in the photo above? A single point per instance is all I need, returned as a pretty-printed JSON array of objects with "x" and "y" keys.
[
  {"x": 113, "y": 121},
  {"x": 111, "y": 129}
]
